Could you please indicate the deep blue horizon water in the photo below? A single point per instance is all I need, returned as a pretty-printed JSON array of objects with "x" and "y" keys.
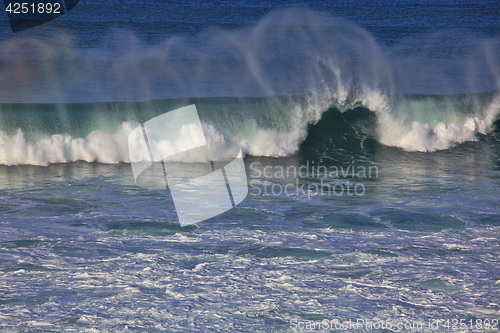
[
  {"x": 371, "y": 139},
  {"x": 155, "y": 20}
]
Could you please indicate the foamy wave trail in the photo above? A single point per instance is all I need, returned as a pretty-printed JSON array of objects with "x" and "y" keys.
[
  {"x": 42, "y": 134},
  {"x": 98, "y": 146},
  {"x": 270, "y": 126},
  {"x": 431, "y": 123},
  {"x": 261, "y": 87}
]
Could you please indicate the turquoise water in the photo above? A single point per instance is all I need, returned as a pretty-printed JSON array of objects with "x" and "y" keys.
[{"x": 372, "y": 150}]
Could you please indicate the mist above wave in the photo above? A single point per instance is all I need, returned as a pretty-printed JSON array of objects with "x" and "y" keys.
[{"x": 327, "y": 61}]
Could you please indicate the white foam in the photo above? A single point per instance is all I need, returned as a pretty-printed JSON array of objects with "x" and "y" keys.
[
  {"x": 98, "y": 146},
  {"x": 112, "y": 147},
  {"x": 421, "y": 137},
  {"x": 278, "y": 141}
]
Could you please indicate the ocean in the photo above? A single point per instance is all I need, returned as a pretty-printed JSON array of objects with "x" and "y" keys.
[{"x": 369, "y": 133}]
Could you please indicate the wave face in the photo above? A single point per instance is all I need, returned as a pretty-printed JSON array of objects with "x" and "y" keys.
[
  {"x": 262, "y": 126},
  {"x": 261, "y": 87}
]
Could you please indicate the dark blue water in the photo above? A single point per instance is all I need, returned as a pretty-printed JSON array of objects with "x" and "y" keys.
[
  {"x": 153, "y": 20},
  {"x": 371, "y": 140}
]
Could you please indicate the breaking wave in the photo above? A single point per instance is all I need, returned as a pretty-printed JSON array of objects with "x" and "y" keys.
[{"x": 261, "y": 87}]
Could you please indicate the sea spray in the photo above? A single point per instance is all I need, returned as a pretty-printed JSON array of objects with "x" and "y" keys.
[{"x": 259, "y": 87}]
